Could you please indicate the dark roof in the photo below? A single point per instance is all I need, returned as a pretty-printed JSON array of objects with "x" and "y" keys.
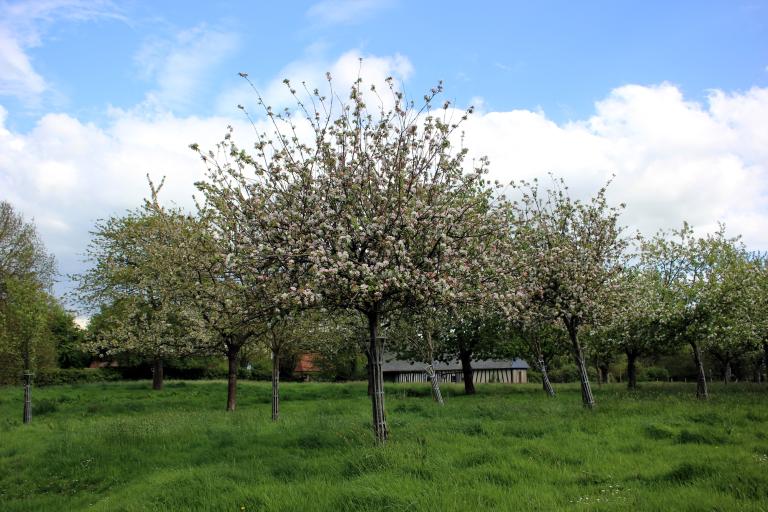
[{"x": 392, "y": 364}]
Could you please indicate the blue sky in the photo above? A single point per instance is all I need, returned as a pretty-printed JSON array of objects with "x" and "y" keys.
[
  {"x": 671, "y": 97},
  {"x": 560, "y": 56}
]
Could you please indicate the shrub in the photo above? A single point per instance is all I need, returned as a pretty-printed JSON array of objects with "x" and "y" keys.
[
  {"x": 534, "y": 376},
  {"x": 654, "y": 373},
  {"x": 566, "y": 373},
  {"x": 75, "y": 376},
  {"x": 570, "y": 373}
]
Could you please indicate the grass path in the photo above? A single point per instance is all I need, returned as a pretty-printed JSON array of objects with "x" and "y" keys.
[{"x": 123, "y": 447}]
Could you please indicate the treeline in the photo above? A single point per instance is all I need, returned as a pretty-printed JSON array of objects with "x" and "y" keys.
[{"x": 360, "y": 225}]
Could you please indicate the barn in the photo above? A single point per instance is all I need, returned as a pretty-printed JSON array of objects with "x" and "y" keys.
[{"x": 513, "y": 371}]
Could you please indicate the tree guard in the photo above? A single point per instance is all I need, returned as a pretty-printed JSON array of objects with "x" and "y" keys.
[
  {"x": 27, "y": 396},
  {"x": 435, "y": 381},
  {"x": 376, "y": 355}
]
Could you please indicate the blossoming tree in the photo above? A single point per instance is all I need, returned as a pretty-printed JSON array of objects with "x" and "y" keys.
[
  {"x": 573, "y": 252},
  {"x": 372, "y": 211}
]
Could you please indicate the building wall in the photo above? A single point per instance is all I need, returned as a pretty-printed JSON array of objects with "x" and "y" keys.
[{"x": 478, "y": 376}]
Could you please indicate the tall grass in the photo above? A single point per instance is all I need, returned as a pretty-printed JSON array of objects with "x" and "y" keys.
[{"x": 123, "y": 447}]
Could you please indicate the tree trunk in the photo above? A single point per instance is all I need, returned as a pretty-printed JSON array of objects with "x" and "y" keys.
[
  {"x": 370, "y": 373},
  {"x": 765, "y": 361},
  {"x": 728, "y": 377},
  {"x": 376, "y": 356},
  {"x": 157, "y": 374},
  {"x": 466, "y": 368},
  {"x": 232, "y": 358},
  {"x": 701, "y": 378},
  {"x": 546, "y": 384},
  {"x": 587, "y": 399},
  {"x": 631, "y": 370},
  {"x": 434, "y": 380},
  {"x": 275, "y": 384},
  {"x": 27, "y": 397},
  {"x": 602, "y": 372}
]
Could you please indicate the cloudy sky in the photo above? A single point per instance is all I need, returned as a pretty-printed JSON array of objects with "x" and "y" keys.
[{"x": 670, "y": 97}]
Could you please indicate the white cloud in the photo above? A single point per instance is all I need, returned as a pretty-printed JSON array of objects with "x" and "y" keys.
[
  {"x": 673, "y": 159},
  {"x": 17, "y": 77},
  {"x": 66, "y": 174},
  {"x": 181, "y": 66},
  {"x": 22, "y": 25},
  {"x": 345, "y": 11}
]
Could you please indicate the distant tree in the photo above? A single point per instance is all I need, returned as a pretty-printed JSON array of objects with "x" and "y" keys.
[
  {"x": 68, "y": 338},
  {"x": 151, "y": 322},
  {"x": 308, "y": 331},
  {"x": 22, "y": 331},
  {"x": 338, "y": 341},
  {"x": 23, "y": 318},
  {"x": 197, "y": 267},
  {"x": 418, "y": 336},
  {"x": 732, "y": 323},
  {"x": 574, "y": 253},
  {"x": 635, "y": 324},
  {"x": 26, "y": 275},
  {"x": 693, "y": 287},
  {"x": 759, "y": 310},
  {"x": 537, "y": 338},
  {"x": 602, "y": 348},
  {"x": 22, "y": 254},
  {"x": 285, "y": 334},
  {"x": 472, "y": 335}
]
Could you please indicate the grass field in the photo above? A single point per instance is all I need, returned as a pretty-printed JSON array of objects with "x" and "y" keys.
[{"x": 123, "y": 447}]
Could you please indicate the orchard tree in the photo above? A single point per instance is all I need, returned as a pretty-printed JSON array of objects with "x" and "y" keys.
[
  {"x": 237, "y": 296},
  {"x": 418, "y": 336},
  {"x": 602, "y": 348},
  {"x": 636, "y": 322},
  {"x": 472, "y": 334},
  {"x": 759, "y": 309},
  {"x": 574, "y": 253},
  {"x": 732, "y": 325},
  {"x": 308, "y": 331},
  {"x": 286, "y": 334},
  {"x": 538, "y": 338},
  {"x": 152, "y": 322},
  {"x": 692, "y": 282},
  {"x": 196, "y": 265},
  {"x": 373, "y": 207}
]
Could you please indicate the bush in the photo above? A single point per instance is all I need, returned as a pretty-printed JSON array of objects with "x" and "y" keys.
[
  {"x": 570, "y": 373},
  {"x": 535, "y": 376},
  {"x": 654, "y": 373},
  {"x": 75, "y": 376}
]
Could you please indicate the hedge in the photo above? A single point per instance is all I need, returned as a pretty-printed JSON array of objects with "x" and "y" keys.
[{"x": 75, "y": 376}]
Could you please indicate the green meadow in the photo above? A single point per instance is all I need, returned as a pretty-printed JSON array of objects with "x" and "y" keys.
[{"x": 123, "y": 447}]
